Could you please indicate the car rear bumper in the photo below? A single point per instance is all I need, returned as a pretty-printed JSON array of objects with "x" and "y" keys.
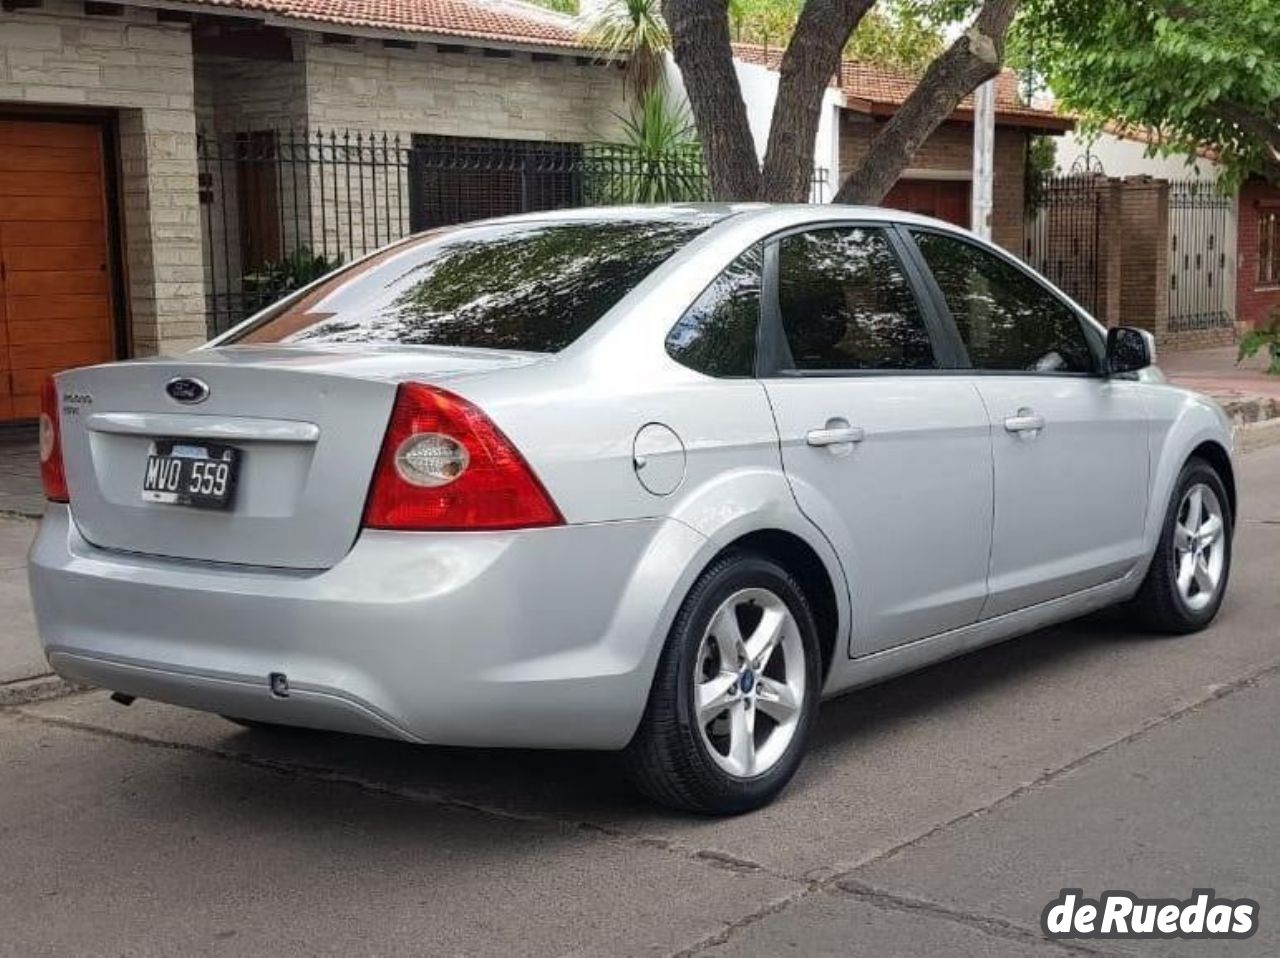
[{"x": 539, "y": 638}]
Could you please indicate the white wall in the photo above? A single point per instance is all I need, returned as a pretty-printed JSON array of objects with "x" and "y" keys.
[
  {"x": 759, "y": 90},
  {"x": 1122, "y": 157}
]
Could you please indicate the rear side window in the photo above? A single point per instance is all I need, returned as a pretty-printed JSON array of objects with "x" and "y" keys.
[
  {"x": 717, "y": 335},
  {"x": 534, "y": 286},
  {"x": 845, "y": 303},
  {"x": 1007, "y": 320}
]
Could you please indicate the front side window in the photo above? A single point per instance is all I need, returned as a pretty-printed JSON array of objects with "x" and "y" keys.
[
  {"x": 534, "y": 286},
  {"x": 845, "y": 303},
  {"x": 1007, "y": 320},
  {"x": 717, "y": 334}
]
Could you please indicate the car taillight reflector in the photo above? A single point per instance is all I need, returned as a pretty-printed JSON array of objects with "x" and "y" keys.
[
  {"x": 53, "y": 475},
  {"x": 445, "y": 466}
]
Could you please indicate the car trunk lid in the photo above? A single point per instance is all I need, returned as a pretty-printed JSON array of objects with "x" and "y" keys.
[{"x": 308, "y": 424}]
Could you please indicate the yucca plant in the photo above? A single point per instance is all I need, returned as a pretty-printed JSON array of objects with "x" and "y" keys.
[
  {"x": 659, "y": 159},
  {"x": 634, "y": 30}
]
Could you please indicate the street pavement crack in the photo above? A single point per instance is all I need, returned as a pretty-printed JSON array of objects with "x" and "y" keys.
[
  {"x": 746, "y": 921},
  {"x": 707, "y": 857},
  {"x": 987, "y": 924},
  {"x": 845, "y": 881},
  {"x": 1214, "y": 694}
]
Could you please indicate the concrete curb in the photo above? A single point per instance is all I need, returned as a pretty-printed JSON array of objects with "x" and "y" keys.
[
  {"x": 39, "y": 689},
  {"x": 19, "y": 516},
  {"x": 1251, "y": 409},
  {"x": 1251, "y": 436}
]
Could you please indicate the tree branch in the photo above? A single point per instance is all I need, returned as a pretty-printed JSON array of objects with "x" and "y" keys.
[
  {"x": 972, "y": 59},
  {"x": 1251, "y": 122},
  {"x": 812, "y": 57},
  {"x": 702, "y": 51}
]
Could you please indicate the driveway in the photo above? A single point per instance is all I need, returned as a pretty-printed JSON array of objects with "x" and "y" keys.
[{"x": 936, "y": 814}]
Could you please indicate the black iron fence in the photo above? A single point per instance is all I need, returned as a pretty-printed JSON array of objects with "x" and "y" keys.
[
  {"x": 282, "y": 207},
  {"x": 1064, "y": 235},
  {"x": 1201, "y": 237}
]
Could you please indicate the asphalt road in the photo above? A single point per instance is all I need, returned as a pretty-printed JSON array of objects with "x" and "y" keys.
[{"x": 937, "y": 814}]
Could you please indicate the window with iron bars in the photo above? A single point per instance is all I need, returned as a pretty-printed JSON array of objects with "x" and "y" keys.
[
  {"x": 1269, "y": 247},
  {"x": 281, "y": 207}
]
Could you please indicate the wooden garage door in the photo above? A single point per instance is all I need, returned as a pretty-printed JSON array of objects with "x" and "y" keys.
[
  {"x": 55, "y": 285},
  {"x": 946, "y": 200}
]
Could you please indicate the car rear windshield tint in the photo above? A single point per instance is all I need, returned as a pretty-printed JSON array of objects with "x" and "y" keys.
[{"x": 534, "y": 286}]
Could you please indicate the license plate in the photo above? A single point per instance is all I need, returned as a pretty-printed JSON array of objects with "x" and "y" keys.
[{"x": 185, "y": 473}]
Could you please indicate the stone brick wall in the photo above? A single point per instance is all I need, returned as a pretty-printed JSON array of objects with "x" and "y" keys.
[
  {"x": 358, "y": 199},
  {"x": 1254, "y": 303},
  {"x": 235, "y": 95},
  {"x": 949, "y": 151},
  {"x": 368, "y": 86},
  {"x": 57, "y": 56}
]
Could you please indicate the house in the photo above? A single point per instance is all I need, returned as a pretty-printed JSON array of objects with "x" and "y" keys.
[
  {"x": 1223, "y": 247},
  {"x": 168, "y": 166},
  {"x": 863, "y": 98},
  {"x": 154, "y": 155}
]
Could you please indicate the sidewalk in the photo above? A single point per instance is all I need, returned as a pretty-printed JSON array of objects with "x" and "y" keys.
[
  {"x": 1245, "y": 391},
  {"x": 20, "y": 492},
  {"x": 20, "y": 655}
]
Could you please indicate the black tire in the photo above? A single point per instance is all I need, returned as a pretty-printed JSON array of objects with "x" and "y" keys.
[
  {"x": 1159, "y": 606},
  {"x": 668, "y": 758}
]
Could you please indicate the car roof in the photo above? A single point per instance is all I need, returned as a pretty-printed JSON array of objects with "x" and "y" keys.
[{"x": 712, "y": 213}]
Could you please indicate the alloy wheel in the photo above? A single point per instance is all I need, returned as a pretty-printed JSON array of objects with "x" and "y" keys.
[
  {"x": 1199, "y": 546},
  {"x": 749, "y": 682}
]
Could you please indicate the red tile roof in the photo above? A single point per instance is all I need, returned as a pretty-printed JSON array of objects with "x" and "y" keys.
[
  {"x": 882, "y": 90},
  {"x": 504, "y": 21}
]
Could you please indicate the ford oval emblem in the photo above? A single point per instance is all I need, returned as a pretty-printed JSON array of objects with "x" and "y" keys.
[{"x": 186, "y": 389}]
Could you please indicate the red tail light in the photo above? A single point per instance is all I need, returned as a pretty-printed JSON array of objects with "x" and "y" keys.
[
  {"x": 444, "y": 465},
  {"x": 53, "y": 475}
]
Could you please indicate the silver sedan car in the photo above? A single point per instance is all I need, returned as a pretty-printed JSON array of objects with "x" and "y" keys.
[{"x": 644, "y": 479}]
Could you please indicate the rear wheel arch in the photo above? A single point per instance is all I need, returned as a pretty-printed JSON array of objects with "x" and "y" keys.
[{"x": 806, "y": 566}]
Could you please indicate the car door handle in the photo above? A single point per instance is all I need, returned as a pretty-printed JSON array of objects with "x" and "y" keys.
[
  {"x": 835, "y": 437},
  {"x": 1025, "y": 421}
]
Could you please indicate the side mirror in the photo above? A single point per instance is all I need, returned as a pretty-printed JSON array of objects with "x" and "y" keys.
[{"x": 1129, "y": 349}]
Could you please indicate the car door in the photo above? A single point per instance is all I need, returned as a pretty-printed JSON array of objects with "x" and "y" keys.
[
  {"x": 886, "y": 450},
  {"x": 1070, "y": 443}
]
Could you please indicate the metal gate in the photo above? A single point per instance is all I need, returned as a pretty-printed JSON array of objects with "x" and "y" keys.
[
  {"x": 1201, "y": 251},
  {"x": 1064, "y": 233}
]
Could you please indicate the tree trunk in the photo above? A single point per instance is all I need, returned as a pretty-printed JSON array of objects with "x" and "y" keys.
[
  {"x": 702, "y": 51},
  {"x": 811, "y": 59},
  {"x": 972, "y": 59}
]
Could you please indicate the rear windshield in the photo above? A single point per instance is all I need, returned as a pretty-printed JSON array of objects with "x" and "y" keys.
[{"x": 533, "y": 286}]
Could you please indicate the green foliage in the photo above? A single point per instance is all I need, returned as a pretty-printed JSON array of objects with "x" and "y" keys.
[
  {"x": 1204, "y": 72},
  {"x": 633, "y": 29},
  {"x": 560, "y": 6},
  {"x": 896, "y": 34},
  {"x": 1265, "y": 336},
  {"x": 900, "y": 39},
  {"x": 658, "y": 161},
  {"x": 275, "y": 279},
  {"x": 1042, "y": 157}
]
